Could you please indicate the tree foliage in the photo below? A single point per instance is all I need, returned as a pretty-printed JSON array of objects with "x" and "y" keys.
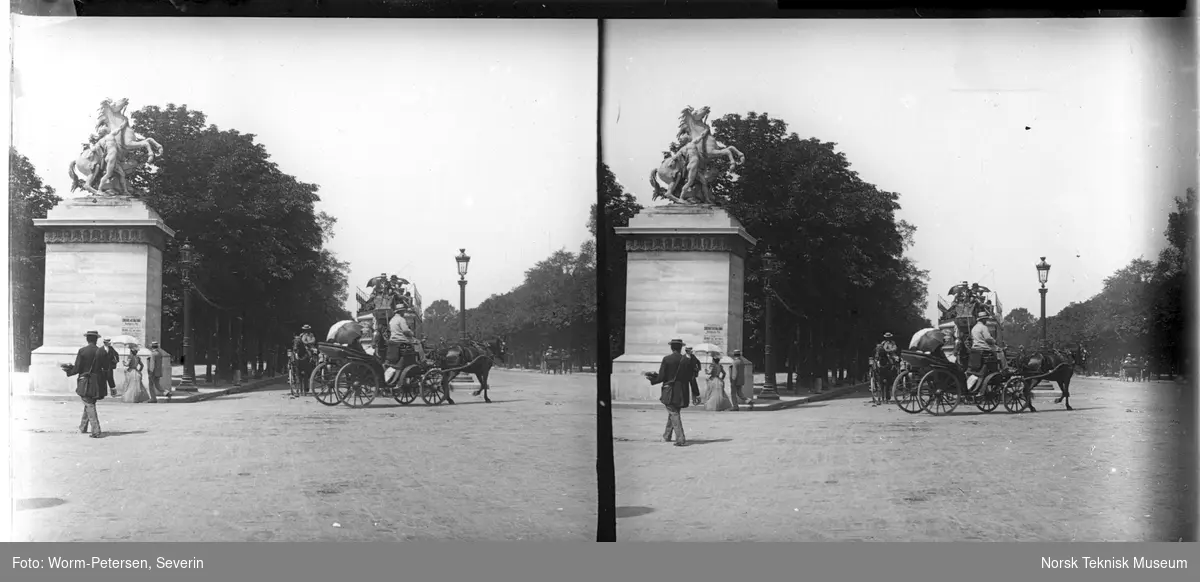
[
  {"x": 619, "y": 207},
  {"x": 1141, "y": 309},
  {"x": 257, "y": 238},
  {"x": 28, "y": 198},
  {"x": 843, "y": 278}
]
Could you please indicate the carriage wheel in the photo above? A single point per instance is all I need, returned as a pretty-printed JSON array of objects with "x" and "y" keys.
[
  {"x": 321, "y": 384},
  {"x": 432, "y": 391},
  {"x": 904, "y": 392},
  {"x": 938, "y": 392},
  {"x": 406, "y": 389},
  {"x": 357, "y": 384},
  {"x": 1015, "y": 399},
  {"x": 992, "y": 394}
]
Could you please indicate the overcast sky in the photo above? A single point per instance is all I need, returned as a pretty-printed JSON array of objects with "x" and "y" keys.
[
  {"x": 425, "y": 136},
  {"x": 937, "y": 111}
]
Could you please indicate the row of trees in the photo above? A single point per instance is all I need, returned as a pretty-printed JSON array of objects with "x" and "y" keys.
[
  {"x": 260, "y": 265},
  {"x": 1141, "y": 309},
  {"x": 554, "y": 306},
  {"x": 842, "y": 279}
]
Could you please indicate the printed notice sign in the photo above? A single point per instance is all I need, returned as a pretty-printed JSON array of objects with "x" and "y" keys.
[
  {"x": 132, "y": 326},
  {"x": 715, "y": 335}
]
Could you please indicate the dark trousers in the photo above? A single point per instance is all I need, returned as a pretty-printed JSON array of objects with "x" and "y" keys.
[
  {"x": 674, "y": 424},
  {"x": 695, "y": 389},
  {"x": 89, "y": 416},
  {"x": 112, "y": 383}
]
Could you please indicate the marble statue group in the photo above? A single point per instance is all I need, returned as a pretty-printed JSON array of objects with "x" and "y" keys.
[
  {"x": 688, "y": 173},
  {"x": 105, "y": 164}
]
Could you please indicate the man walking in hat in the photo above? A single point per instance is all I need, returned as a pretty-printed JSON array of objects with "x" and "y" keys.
[
  {"x": 155, "y": 371},
  {"x": 737, "y": 380},
  {"x": 674, "y": 373},
  {"x": 692, "y": 382},
  {"x": 92, "y": 367},
  {"x": 113, "y": 359},
  {"x": 983, "y": 348}
]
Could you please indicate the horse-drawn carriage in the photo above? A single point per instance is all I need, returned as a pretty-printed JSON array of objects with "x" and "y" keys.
[{"x": 937, "y": 383}]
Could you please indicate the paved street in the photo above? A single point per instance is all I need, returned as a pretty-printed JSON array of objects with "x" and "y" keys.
[
  {"x": 842, "y": 470},
  {"x": 263, "y": 466}
]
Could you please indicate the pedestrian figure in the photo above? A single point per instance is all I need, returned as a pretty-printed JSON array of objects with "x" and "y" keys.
[
  {"x": 736, "y": 379},
  {"x": 673, "y": 374},
  {"x": 134, "y": 391},
  {"x": 155, "y": 371},
  {"x": 91, "y": 367},
  {"x": 113, "y": 360},
  {"x": 714, "y": 397},
  {"x": 693, "y": 382}
]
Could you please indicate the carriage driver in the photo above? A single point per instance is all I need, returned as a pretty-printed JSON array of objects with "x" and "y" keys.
[
  {"x": 401, "y": 335},
  {"x": 982, "y": 345}
]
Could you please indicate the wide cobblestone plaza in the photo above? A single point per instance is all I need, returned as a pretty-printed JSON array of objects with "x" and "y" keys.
[
  {"x": 263, "y": 466},
  {"x": 843, "y": 470}
]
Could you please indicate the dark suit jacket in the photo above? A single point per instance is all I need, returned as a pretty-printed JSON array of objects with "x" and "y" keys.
[
  {"x": 695, "y": 365},
  {"x": 92, "y": 364},
  {"x": 675, "y": 393}
]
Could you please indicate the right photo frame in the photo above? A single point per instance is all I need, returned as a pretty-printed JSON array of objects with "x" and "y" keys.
[{"x": 899, "y": 280}]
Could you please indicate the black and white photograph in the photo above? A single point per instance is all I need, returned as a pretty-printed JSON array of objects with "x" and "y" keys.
[
  {"x": 303, "y": 280},
  {"x": 899, "y": 280}
]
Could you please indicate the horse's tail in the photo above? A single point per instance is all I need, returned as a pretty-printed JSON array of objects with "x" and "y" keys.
[
  {"x": 76, "y": 183},
  {"x": 658, "y": 190}
]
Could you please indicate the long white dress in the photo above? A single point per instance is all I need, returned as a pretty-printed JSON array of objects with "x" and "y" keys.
[{"x": 134, "y": 390}]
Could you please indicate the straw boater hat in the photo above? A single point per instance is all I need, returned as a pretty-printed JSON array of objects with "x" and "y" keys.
[
  {"x": 92, "y": 333},
  {"x": 982, "y": 315},
  {"x": 887, "y": 335},
  {"x": 675, "y": 342},
  {"x": 737, "y": 352}
]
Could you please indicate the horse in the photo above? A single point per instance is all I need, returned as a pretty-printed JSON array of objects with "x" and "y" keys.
[
  {"x": 687, "y": 168},
  {"x": 1060, "y": 367},
  {"x": 695, "y": 125},
  {"x": 478, "y": 359}
]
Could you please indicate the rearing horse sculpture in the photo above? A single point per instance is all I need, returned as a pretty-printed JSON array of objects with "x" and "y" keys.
[
  {"x": 105, "y": 164},
  {"x": 688, "y": 168}
]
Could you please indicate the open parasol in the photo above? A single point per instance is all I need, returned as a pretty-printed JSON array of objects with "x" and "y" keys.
[{"x": 127, "y": 340}]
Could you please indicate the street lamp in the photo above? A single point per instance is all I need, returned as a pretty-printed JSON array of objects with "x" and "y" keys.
[
  {"x": 1043, "y": 270},
  {"x": 462, "y": 260},
  {"x": 188, "y": 382},
  {"x": 769, "y": 391}
]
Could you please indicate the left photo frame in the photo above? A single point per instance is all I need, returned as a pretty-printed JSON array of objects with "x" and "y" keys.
[{"x": 303, "y": 280}]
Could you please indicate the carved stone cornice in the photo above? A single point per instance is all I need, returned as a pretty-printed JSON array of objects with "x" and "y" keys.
[
  {"x": 146, "y": 235},
  {"x": 685, "y": 243}
]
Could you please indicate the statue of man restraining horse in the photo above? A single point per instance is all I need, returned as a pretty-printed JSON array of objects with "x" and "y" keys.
[
  {"x": 687, "y": 173},
  {"x": 106, "y": 163}
]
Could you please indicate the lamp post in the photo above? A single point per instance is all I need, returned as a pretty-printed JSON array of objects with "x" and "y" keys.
[
  {"x": 1043, "y": 270},
  {"x": 188, "y": 382},
  {"x": 462, "y": 259},
  {"x": 769, "y": 391}
]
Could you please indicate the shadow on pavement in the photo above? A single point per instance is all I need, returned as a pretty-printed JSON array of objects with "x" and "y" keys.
[
  {"x": 37, "y": 503},
  {"x": 707, "y": 441},
  {"x": 115, "y": 433},
  {"x": 633, "y": 511},
  {"x": 1076, "y": 409}
]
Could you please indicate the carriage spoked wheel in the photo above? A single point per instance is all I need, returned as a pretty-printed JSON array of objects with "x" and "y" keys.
[
  {"x": 432, "y": 391},
  {"x": 322, "y": 386},
  {"x": 356, "y": 383},
  {"x": 991, "y": 394},
  {"x": 938, "y": 392},
  {"x": 904, "y": 392},
  {"x": 1015, "y": 399},
  {"x": 406, "y": 388}
]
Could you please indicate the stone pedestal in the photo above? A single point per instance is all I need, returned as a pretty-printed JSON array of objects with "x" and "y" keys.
[
  {"x": 684, "y": 280},
  {"x": 103, "y": 273}
]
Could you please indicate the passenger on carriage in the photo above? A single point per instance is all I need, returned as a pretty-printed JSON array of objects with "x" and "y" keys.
[
  {"x": 347, "y": 333},
  {"x": 929, "y": 341},
  {"x": 885, "y": 351},
  {"x": 983, "y": 349}
]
